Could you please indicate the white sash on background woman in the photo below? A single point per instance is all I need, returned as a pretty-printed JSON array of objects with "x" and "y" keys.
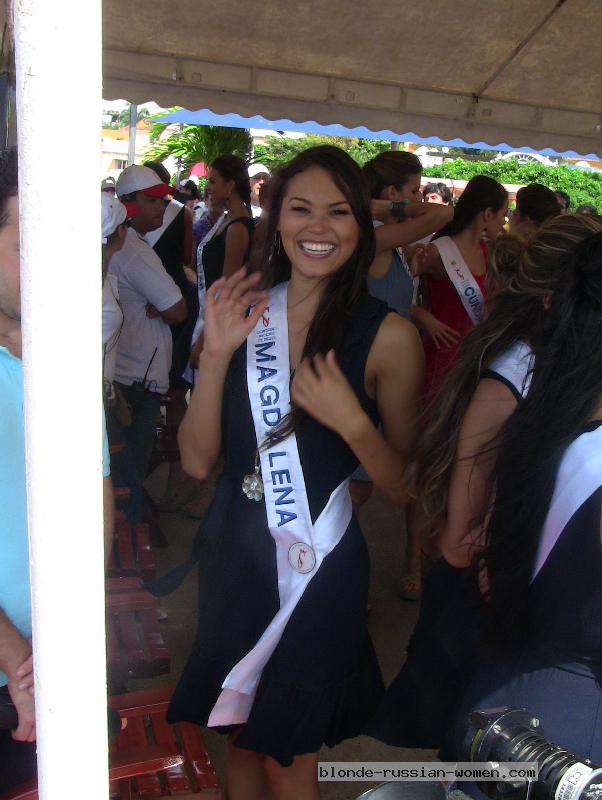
[
  {"x": 188, "y": 373},
  {"x": 464, "y": 282},
  {"x": 301, "y": 545}
]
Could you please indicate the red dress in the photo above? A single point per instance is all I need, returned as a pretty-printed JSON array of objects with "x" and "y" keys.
[{"x": 447, "y": 307}]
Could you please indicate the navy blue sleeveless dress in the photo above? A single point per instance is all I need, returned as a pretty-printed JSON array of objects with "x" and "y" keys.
[
  {"x": 557, "y": 673},
  {"x": 323, "y": 681}
]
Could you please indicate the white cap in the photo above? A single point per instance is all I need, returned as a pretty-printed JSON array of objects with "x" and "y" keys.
[
  {"x": 113, "y": 214},
  {"x": 141, "y": 179},
  {"x": 107, "y": 183},
  {"x": 258, "y": 169}
]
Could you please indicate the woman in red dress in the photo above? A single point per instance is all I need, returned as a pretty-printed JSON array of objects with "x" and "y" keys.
[
  {"x": 451, "y": 308},
  {"x": 479, "y": 216}
]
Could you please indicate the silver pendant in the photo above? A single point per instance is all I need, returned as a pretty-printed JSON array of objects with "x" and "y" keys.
[{"x": 252, "y": 485}]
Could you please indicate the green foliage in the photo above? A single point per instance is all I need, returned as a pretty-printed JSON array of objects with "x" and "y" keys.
[
  {"x": 276, "y": 152},
  {"x": 582, "y": 187},
  {"x": 194, "y": 143},
  {"x": 122, "y": 118}
]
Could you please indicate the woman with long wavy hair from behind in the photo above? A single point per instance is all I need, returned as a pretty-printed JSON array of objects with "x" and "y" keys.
[
  {"x": 451, "y": 477},
  {"x": 541, "y": 552}
]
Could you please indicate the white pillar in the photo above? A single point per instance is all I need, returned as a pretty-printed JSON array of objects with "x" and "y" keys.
[{"x": 59, "y": 88}]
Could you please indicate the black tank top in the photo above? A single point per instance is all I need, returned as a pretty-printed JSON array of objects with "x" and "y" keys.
[{"x": 214, "y": 252}]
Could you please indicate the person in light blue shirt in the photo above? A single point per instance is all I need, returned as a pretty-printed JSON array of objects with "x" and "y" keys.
[
  {"x": 17, "y": 753},
  {"x": 17, "y": 748}
]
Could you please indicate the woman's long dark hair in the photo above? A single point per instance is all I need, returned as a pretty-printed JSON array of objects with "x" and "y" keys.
[
  {"x": 344, "y": 289},
  {"x": 517, "y": 314},
  {"x": 565, "y": 391},
  {"x": 481, "y": 193},
  {"x": 233, "y": 168}
]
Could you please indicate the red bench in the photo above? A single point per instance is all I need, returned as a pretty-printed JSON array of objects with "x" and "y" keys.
[
  {"x": 135, "y": 645},
  {"x": 145, "y": 712},
  {"x": 151, "y": 758},
  {"x": 131, "y": 553}
]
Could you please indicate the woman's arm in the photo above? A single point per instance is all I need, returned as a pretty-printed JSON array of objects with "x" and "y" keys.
[
  {"x": 226, "y": 327},
  {"x": 199, "y": 435},
  {"x": 237, "y": 244},
  {"x": 395, "y": 369},
  {"x": 443, "y": 335},
  {"x": 490, "y": 407},
  {"x": 421, "y": 221}
]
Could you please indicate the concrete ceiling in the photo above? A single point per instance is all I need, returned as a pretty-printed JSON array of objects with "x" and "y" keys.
[{"x": 524, "y": 72}]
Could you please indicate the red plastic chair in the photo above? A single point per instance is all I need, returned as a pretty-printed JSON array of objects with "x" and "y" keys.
[
  {"x": 151, "y": 758},
  {"x": 135, "y": 645},
  {"x": 145, "y": 712},
  {"x": 131, "y": 553}
]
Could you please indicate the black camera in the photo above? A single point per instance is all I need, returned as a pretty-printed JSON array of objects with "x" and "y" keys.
[{"x": 515, "y": 735}]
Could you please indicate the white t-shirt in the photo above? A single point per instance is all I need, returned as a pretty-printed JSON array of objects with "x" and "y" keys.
[
  {"x": 112, "y": 321},
  {"x": 142, "y": 279}
]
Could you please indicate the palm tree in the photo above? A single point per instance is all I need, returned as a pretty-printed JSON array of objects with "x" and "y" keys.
[
  {"x": 194, "y": 143},
  {"x": 123, "y": 118}
]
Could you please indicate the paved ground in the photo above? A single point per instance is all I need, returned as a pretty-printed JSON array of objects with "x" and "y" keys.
[{"x": 391, "y": 621}]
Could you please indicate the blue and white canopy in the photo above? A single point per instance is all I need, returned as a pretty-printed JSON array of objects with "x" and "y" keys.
[{"x": 525, "y": 74}]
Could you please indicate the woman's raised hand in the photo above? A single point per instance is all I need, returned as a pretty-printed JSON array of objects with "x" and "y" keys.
[{"x": 227, "y": 323}]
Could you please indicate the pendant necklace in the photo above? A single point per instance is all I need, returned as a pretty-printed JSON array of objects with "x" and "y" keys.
[{"x": 252, "y": 484}]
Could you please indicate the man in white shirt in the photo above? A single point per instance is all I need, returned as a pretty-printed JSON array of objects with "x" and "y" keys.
[{"x": 151, "y": 302}]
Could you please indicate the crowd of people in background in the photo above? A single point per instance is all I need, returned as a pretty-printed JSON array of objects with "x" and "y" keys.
[{"x": 320, "y": 331}]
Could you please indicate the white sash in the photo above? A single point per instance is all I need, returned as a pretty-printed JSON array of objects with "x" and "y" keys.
[
  {"x": 171, "y": 212},
  {"x": 301, "y": 545},
  {"x": 201, "y": 288},
  {"x": 464, "y": 282},
  {"x": 188, "y": 373},
  {"x": 579, "y": 476}
]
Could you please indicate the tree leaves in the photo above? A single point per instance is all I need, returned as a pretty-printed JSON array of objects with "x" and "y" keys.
[
  {"x": 193, "y": 143},
  {"x": 276, "y": 152},
  {"x": 581, "y": 186}
]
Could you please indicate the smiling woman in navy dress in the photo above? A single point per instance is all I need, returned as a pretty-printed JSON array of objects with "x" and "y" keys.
[{"x": 282, "y": 661}]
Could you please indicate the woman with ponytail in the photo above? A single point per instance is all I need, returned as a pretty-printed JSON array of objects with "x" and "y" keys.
[
  {"x": 455, "y": 288},
  {"x": 293, "y": 392},
  {"x": 227, "y": 246},
  {"x": 394, "y": 177},
  {"x": 452, "y": 475},
  {"x": 534, "y": 205},
  {"x": 454, "y": 267}
]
